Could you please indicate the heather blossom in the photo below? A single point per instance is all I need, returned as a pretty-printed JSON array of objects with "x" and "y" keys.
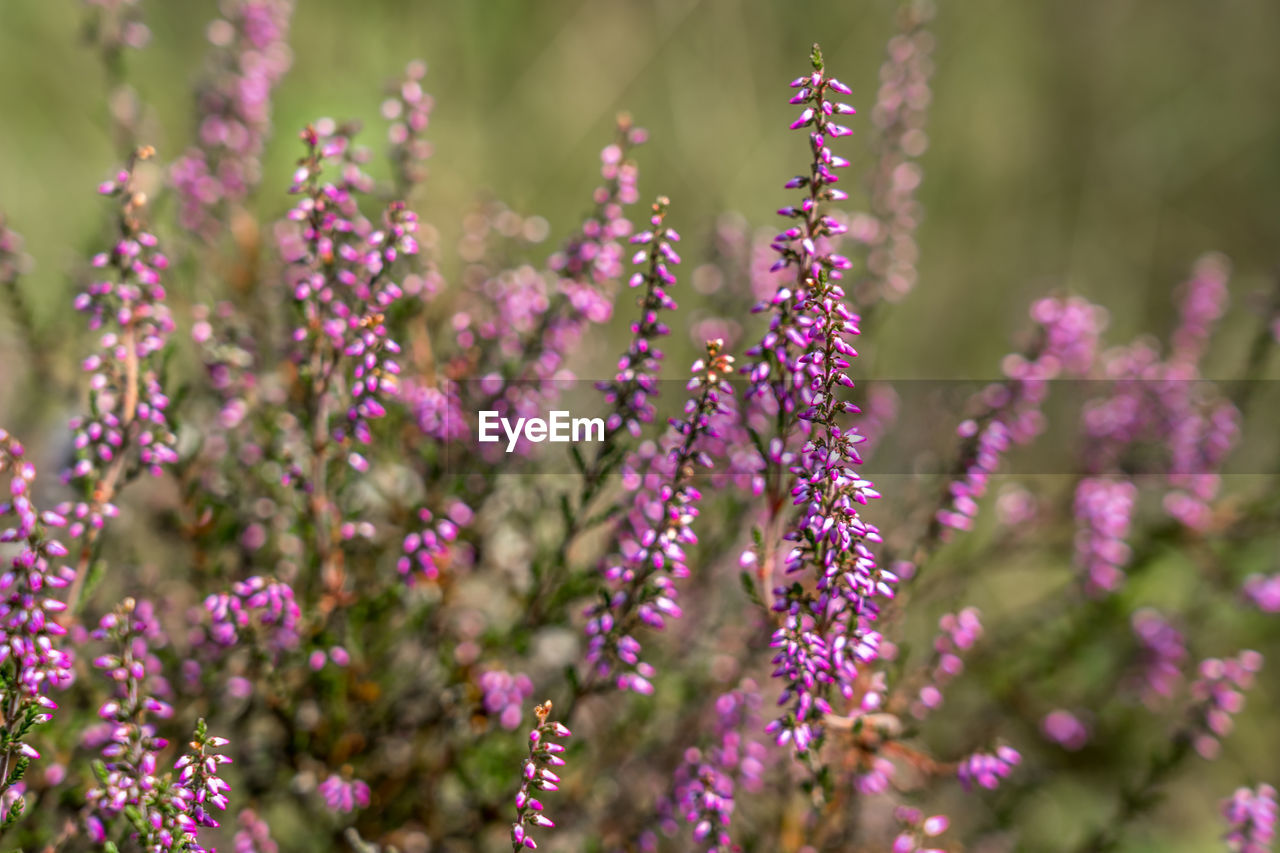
[
  {"x": 409, "y": 110},
  {"x": 1067, "y": 339},
  {"x": 1162, "y": 651},
  {"x": 987, "y": 769},
  {"x": 652, "y": 540},
  {"x": 1218, "y": 695},
  {"x": 30, "y": 637},
  {"x": 537, "y": 775},
  {"x": 706, "y": 780},
  {"x": 126, "y": 428},
  {"x": 917, "y": 830},
  {"x": 1250, "y": 814},
  {"x": 343, "y": 794},
  {"x": 1104, "y": 508},
  {"x": 901, "y": 108},
  {"x": 250, "y": 55},
  {"x": 503, "y": 695},
  {"x": 165, "y": 814},
  {"x": 261, "y": 608},
  {"x": 957, "y": 633},
  {"x": 635, "y": 382}
]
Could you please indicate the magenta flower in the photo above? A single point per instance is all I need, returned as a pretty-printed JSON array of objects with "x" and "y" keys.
[
  {"x": 503, "y": 695},
  {"x": 640, "y": 577},
  {"x": 917, "y": 830},
  {"x": 1251, "y": 819},
  {"x": 987, "y": 769},
  {"x": 250, "y": 54},
  {"x": 253, "y": 834},
  {"x": 537, "y": 775},
  {"x": 126, "y": 425},
  {"x": 259, "y": 610},
  {"x": 956, "y": 635},
  {"x": 1218, "y": 695},
  {"x": 343, "y": 794},
  {"x": 409, "y": 110},
  {"x": 1104, "y": 509},
  {"x": 1162, "y": 651}
]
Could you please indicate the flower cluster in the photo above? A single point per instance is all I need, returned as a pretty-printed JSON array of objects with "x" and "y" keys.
[
  {"x": 409, "y": 111},
  {"x": 1251, "y": 817},
  {"x": 902, "y": 104},
  {"x": 640, "y": 577},
  {"x": 776, "y": 379},
  {"x": 988, "y": 768},
  {"x": 250, "y": 55},
  {"x": 706, "y": 779},
  {"x": 917, "y": 829},
  {"x": 253, "y": 834},
  {"x": 635, "y": 382},
  {"x": 1104, "y": 509},
  {"x": 957, "y": 632},
  {"x": 503, "y": 695},
  {"x": 343, "y": 794},
  {"x": 30, "y": 638},
  {"x": 340, "y": 277},
  {"x": 1162, "y": 651},
  {"x": 544, "y": 753},
  {"x": 1160, "y": 403},
  {"x": 538, "y": 326},
  {"x": 1218, "y": 694},
  {"x": 126, "y": 425},
  {"x": 199, "y": 786},
  {"x": 128, "y": 780},
  {"x": 432, "y": 548},
  {"x": 1263, "y": 591},
  {"x": 260, "y": 607},
  {"x": 1011, "y": 414}
]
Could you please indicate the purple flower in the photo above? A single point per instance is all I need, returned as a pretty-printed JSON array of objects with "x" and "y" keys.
[
  {"x": 1162, "y": 651},
  {"x": 706, "y": 780},
  {"x": 640, "y": 576},
  {"x": 503, "y": 695},
  {"x": 956, "y": 635},
  {"x": 433, "y": 548},
  {"x": 126, "y": 424},
  {"x": 899, "y": 114},
  {"x": 30, "y": 636},
  {"x": 258, "y": 609},
  {"x": 1065, "y": 729},
  {"x": 917, "y": 829},
  {"x": 343, "y": 794},
  {"x": 1011, "y": 410},
  {"x": 537, "y": 776},
  {"x": 1103, "y": 508},
  {"x": 1251, "y": 819},
  {"x": 409, "y": 110},
  {"x": 130, "y": 779},
  {"x": 635, "y": 382},
  {"x": 253, "y": 834},
  {"x": 1218, "y": 695},
  {"x": 233, "y": 104},
  {"x": 340, "y": 276},
  {"x": 988, "y": 768}
]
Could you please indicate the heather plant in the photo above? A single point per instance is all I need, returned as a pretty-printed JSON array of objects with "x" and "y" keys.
[{"x": 337, "y": 613}]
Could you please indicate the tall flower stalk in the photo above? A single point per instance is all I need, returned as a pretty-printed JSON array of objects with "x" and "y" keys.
[
  {"x": 538, "y": 776},
  {"x": 126, "y": 429},
  {"x": 250, "y": 53},
  {"x": 31, "y": 655},
  {"x": 640, "y": 576}
]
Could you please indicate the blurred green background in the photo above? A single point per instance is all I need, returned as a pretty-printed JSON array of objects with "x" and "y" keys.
[{"x": 1092, "y": 145}]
